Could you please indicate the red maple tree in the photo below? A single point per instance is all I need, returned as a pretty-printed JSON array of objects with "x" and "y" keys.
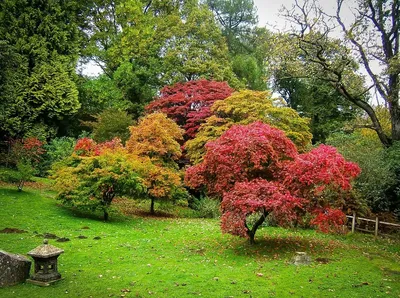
[
  {"x": 188, "y": 104},
  {"x": 256, "y": 169},
  {"x": 88, "y": 147}
]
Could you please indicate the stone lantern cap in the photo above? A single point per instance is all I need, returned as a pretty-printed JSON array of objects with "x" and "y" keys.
[{"x": 45, "y": 251}]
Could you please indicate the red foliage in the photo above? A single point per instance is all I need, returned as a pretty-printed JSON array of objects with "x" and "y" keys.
[
  {"x": 88, "y": 147},
  {"x": 85, "y": 147},
  {"x": 242, "y": 153},
  {"x": 258, "y": 195},
  {"x": 256, "y": 168},
  {"x": 108, "y": 145},
  {"x": 329, "y": 220},
  {"x": 188, "y": 104},
  {"x": 27, "y": 149},
  {"x": 321, "y": 168}
]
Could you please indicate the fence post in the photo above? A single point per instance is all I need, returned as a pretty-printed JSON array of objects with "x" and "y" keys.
[
  {"x": 353, "y": 222},
  {"x": 376, "y": 226}
]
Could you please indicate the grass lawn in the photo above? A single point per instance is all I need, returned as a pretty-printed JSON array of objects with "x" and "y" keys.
[{"x": 180, "y": 257}]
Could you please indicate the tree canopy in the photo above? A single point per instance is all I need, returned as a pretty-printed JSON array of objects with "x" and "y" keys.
[
  {"x": 245, "y": 107},
  {"x": 42, "y": 41},
  {"x": 372, "y": 37},
  {"x": 256, "y": 169},
  {"x": 188, "y": 104}
]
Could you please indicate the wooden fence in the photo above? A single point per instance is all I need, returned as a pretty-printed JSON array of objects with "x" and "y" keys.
[{"x": 363, "y": 224}]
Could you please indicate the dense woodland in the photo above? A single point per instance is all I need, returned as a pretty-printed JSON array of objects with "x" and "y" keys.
[{"x": 198, "y": 87}]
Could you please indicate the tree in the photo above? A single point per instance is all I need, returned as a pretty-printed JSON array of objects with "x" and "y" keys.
[
  {"x": 162, "y": 183},
  {"x": 188, "y": 104},
  {"x": 92, "y": 182},
  {"x": 327, "y": 109},
  {"x": 256, "y": 169},
  {"x": 155, "y": 140},
  {"x": 110, "y": 124},
  {"x": 26, "y": 154},
  {"x": 236, "y": 18},
  {"x": 44, "y": 40},
  {"x": 245, "y": 107},
  {"x": 101, "y": 29},
  {"x": 377, "y": 182},
  {"x": 372, "y": 37},
  {"x": 157, "y": 137}
]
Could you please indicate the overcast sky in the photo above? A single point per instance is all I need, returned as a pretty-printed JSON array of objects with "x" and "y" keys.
[{"x": 268, "y": 11}]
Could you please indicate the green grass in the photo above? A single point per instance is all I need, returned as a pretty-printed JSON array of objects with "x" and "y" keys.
[{"x": 178, "y": 257}]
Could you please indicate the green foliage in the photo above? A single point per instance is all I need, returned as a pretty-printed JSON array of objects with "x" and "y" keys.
[
  {"x": 246, "y": 67},
  {"x": 43, "y": 39},
  {"x": 236, "y": 18},
  {"x": 327, "y": 109},
  {"x": 377, "y": 179},
  {"x": 207, "y": 208},
  {"x": 109, "y": 124},
  {"x": 57, "y": 150},
  {"x": 98, "y": 94},
  {"x": 92, "y": 182},
  {"x": 176, "y": 257},
  {"x": 9, "y": 175},
  {"x": 25, "y": 172}
]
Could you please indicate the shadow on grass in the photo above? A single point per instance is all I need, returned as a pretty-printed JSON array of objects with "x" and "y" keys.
[
  {"x": 133, "y": 208},
  {"x": 276, "y": 246},
  {"x": 97, "y": 216}
]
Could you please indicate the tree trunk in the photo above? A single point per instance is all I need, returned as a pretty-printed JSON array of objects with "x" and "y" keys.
[
  {"x": 395, "y": 120},
  {"x": 152, "y": 206},
  {"x": 251, "y": 233},
  {"x": 20, "y": 185},
  {"x": 105, "y": 215}
]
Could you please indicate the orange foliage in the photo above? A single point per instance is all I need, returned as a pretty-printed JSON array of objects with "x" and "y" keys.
[{"x": 156, "y": 136}]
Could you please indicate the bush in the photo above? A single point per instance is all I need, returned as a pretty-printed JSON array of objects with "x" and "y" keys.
[
  {"x": 109, "y": 124},
  {"x": 56, "y": 150},
  {"x": 9, "y": 176},
  {"x": 207, "y": 208},
  {"x": 377, "y": 180}
]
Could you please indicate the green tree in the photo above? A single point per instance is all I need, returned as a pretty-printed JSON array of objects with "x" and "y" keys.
[
  {"x": 175, "y": 42},
  {"x": 236, "y": 17},
  {"x": 44, "y": 38},
  {"x": 238, "y": 20},
  {"x": 373, "y": 35},
  {"x": 144, "y": 45},
  {"x": 377, "y": 182},
  {"x": 101, "y": 29},
  {"x": 92, "y": 182},
  {"x": 110, "y": 124},
  {"x": 328, "y": 110}
]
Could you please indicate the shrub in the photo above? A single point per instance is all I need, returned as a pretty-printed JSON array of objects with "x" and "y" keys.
[{"x": 207, "y": 208}]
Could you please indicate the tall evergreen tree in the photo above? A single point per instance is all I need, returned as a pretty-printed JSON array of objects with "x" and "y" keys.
[{"x": 42, "y": 38}]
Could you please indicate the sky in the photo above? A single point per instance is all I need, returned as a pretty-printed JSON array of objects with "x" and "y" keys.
[{"x": 268, "y": 11}]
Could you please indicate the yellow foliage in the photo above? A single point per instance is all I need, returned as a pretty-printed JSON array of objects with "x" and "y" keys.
[
  {"x": 246, "y": 107},
  {"x": 155, "y": 136},
  {"x": 384, "y": 118}
]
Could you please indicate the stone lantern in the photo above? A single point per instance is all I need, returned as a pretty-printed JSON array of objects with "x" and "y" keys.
[{"x": 45, "y": 269}]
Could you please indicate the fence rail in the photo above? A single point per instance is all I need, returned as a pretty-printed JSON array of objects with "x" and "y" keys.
[{"x": 355, "y": 225}]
